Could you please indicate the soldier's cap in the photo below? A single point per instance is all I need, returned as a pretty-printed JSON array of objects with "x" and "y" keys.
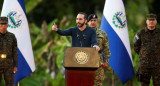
[
  {"x": 151, "y": 16},
  {"x": 3, "y": 19},
  {"x": 92, "y": 16}
]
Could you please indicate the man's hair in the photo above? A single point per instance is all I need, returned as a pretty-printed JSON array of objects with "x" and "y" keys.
[{"x": 85, "y": 15}]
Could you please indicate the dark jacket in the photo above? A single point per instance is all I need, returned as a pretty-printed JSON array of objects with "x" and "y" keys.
[
  {"x": 85, "y": 38},
  {"x": 8, "y": 46},
  {"x": 147, "y": 45}
]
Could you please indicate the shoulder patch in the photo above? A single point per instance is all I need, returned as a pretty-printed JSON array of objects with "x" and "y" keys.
[{"x": 136, "y": 37}]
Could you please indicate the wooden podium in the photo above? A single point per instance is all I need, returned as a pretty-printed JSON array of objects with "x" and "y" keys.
[{"x": 80, "y": 64}]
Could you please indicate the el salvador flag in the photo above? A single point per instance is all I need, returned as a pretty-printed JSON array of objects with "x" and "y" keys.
[
  {"x": 114, "y": 23},
  {"x": 15, "y": 11}
]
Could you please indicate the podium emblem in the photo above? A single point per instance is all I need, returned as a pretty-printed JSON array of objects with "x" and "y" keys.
[
  {"x": 3, "y": 56},
  {"x": 81, "y": 57}
]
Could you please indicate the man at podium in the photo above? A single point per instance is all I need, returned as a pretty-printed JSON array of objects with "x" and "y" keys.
[{"x": 82, "y": 35}]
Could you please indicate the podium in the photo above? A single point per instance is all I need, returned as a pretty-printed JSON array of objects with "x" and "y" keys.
[{"x": 80, "y": 64}]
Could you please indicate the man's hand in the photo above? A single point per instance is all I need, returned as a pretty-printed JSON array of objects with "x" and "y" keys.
[
  {"x": 105, "y": 65},
  {"x": 97, "y": 47},
  {"x": 15, "y": 70},
  {"x": 54, "y": 27}
]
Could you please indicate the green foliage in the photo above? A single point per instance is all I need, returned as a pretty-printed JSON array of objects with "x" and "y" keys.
[
  {"x": 2, "y": 82},
  {"x": 29, "y": 81},
  {"x": 59, "y": 81},
  {"x": 31, "y": 4}
]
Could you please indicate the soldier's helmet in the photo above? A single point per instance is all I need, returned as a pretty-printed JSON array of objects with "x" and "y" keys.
[
  {"x": 3, "y": 20},
  {"x": 151, "y": 16},
  {"x": 92, "y": 16}
]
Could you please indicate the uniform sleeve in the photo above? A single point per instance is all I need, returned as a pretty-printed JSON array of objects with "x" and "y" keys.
[
  {"x": 67, "y": 32},
  {"x": 105, "y": 49},
  {"x": 137, "y": 43},
  {"x": 15, "y": 52},
  {"x": 94, "y": 38}
]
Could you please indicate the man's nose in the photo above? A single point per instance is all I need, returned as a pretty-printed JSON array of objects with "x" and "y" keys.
[
  {"x": 3, "y": 24},
  {"x": 92, "y": 22}
]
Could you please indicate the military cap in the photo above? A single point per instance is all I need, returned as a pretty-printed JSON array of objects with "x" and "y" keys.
[
  {"x": 151, "y": 16},
  {"x": 3, "y": 20},
  {"x": 92, "y": 16}
]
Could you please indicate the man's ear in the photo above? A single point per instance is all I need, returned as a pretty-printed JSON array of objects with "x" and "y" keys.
[
  {"x": 86, "y": 21},
  {"x": 7, "y": 25},
  {"x": 146, "y": 21}
]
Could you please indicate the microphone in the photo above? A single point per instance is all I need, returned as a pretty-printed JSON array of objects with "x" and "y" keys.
[
  {"x": 78, "y": 36},
  {"x": 84, "y": 36}
]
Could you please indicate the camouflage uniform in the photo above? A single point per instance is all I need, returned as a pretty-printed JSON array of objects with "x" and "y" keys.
[
  {"x": 103, "y": 43},
  {"x": 8, "y": 46},
  {"x": 147, "y": 45}
]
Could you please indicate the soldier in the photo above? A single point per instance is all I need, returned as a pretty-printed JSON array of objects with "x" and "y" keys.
[
  {"x": 147, "y": 45},
  {"x": 8, "y": 53},
  {"x": 103, "y": 43}
]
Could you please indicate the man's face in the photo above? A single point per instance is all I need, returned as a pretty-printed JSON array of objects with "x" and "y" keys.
[
  {"x": 151, "y": 23},
  {"x": 93, "y": 23},
  {"x": 80, "y": 20},
  {"x": 3, "y": 27}
]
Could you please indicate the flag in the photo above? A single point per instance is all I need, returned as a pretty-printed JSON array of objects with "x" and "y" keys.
[
  {"x": 114, "y": 23},
  {"x": 15, "y": 11}
]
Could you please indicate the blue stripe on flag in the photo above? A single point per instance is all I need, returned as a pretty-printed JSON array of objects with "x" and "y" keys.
[
  {"x": 23, "y": 68},
  {"x": 119, "y": 60},
  {"x": 21, "y": 2}
]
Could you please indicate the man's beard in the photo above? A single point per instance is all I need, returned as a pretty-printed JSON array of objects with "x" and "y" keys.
[{"x": 81, "y": 25}]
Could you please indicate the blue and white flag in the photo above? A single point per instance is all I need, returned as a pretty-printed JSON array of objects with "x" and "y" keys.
[
  {"x": 18, "y": 24},
  {"x": 114, "y": 23}
]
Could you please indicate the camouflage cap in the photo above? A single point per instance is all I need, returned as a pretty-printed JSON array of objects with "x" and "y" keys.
[
  {"x": 3, "y": 20},
  {"x": 92, "y": 16},
  {"x": 151, "y": 16}
]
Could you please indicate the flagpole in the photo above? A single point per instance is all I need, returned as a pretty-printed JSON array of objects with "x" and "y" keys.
[
  {"x": 113, "y": 78},
  {"x": 17, "y": 84}
]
